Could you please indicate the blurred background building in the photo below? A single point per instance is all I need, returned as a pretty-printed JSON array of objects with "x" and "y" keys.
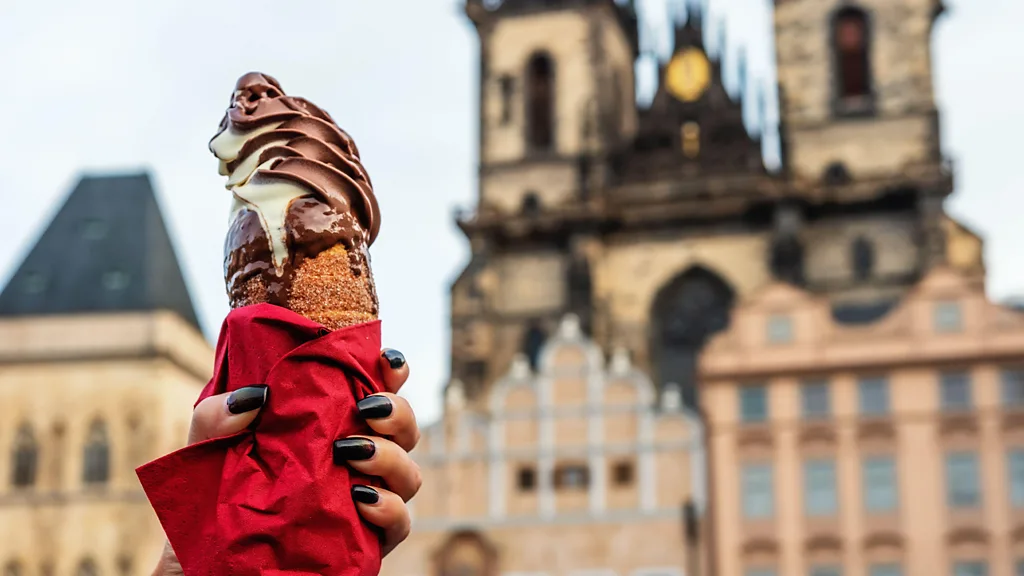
[
  {"x": 666, "y": 359},
  {"x": 852, "y": 377},
  {"x": 99, "y": 350}
]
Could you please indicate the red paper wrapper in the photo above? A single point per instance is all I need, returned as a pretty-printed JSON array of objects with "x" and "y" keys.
[{"x": 270, "y": 501}]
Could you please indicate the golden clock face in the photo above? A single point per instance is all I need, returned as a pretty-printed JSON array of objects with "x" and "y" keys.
[{"x": 688, "y": 75}]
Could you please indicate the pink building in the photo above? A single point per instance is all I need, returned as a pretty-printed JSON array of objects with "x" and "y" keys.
[{"x": 894, "y": 448}]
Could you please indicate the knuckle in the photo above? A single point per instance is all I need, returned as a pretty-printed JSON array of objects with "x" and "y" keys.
[{"x": 417, "y": 479}]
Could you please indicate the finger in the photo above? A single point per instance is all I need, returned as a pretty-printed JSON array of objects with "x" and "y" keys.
[
  {"x": 382, "y": 458},
  {"x": 386, "y": 510},
  {"x": 226, "y": 414},
  {"x": 392, "y": 416},
  {"x": 395, "y": 368}
]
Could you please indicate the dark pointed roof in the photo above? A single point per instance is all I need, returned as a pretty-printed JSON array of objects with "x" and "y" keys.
[{"x": 106, "y": 250}]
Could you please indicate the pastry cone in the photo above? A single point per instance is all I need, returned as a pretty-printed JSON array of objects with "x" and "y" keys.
[
  {"x": 325, "y": 290},
  {"x": 304, "y": 213}
]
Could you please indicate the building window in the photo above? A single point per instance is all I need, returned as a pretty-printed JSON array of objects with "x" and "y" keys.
[
  {"x": 572, "y": 477},
  {"x": 94, "y": 229},
  {"x": 1015, "y": 469},
  {"x": 956, "y": 391},
  {"x": 753, "y": 404},
  {"x": 862, "y": 257},
  {"x": 531, "y": 204},
  {"x": 970, "y": 568},
  {"x": 757, "y": 491},
  {"x": 691, "y": 139},
  {"x": 124, "y": 565},
  {"x": 874, "y": 396},
  {"x": 35, "y": 283},
  {"x": 507, "y": 85},
  {"x": 1013, "y": 387},
  {"x": 97, "y": 455},
  {"x": 25, "y": 458},
  {"x": 13, "y": 568},
  {"x": 880, "y": 492},
  {"x": 780, "y": 330},
  {"x": 852, "y": 53},
  {"x": 533, "y": 345},
  {"x": 885, "y": 570},
  {"x": 86, "y": 568},
  {"x": 820, "y": 488},
  {"x": 622, "y": 473},
  {"x": 540, "y": 105},
  {"x": 526, "y": 478},
  {"x": 962, "y": 484},
  {"x": 826, "y": 571},
  {"x": 947, "y": 318},
  {"x": 686, "y": 313},
  {"x": 116, "y": 280},
  {"x": 815, "y": 400}
]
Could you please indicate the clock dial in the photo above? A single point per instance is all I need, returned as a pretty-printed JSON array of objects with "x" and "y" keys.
[{"x": 688, "y": 75}]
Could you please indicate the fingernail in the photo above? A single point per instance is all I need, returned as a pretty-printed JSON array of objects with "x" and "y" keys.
[
  {"x": 395, "y": 358},
  {"x": 365, "y": 495},
  {"x": 348, "y": 449},
  {"x": 247, "y": 399},
  {"x": 375, "y": 407}
]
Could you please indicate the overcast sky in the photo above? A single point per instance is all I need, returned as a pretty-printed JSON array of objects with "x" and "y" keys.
[{"x": 124, "y": 85}]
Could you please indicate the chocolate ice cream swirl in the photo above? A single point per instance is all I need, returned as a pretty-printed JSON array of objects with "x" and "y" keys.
[{"x": 298, "y": 185}]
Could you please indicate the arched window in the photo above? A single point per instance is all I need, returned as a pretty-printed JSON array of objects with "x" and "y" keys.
[
  {"x": 97, "y": 454},
  {"x": 852, "y": 53},
  {"x": 87, "y": 568},
  {"x": 686, "y": 313},
  {"x": 862, "y": 258},
  {"x": 465, "y": 554},
  {"x": 25, "y": 457},
  {"x": 540, "y": 102},
  {"x": 124, "y": 565},
  {"x": 580, "y": 291},
  {"x": 531, "y": 204},
  {"x": 533, "y": 343}
]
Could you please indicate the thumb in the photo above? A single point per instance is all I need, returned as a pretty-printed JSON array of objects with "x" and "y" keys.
[{"x": 226, "y": 414}]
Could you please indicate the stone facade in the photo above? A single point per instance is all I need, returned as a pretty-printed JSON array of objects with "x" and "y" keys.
[
  {"x": 903, "y": 114},
  {"x": 574, "y": 469},
  {"x": 87, "y": 399}
]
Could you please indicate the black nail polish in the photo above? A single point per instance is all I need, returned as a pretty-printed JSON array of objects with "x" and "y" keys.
[
  {"x": 247, "y": 399},
  {"x": 365, "y": 495},
  {"x": 395, "y": 358},
  {"x": 348, "y": 449},
  {"x": 375, "y": 407}
]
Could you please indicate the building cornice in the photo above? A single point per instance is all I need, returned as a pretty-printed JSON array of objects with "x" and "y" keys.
[{"x": 39, "y": 340}]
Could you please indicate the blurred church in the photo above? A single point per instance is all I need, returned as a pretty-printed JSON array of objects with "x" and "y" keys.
[{"x": 818, "y": 384}]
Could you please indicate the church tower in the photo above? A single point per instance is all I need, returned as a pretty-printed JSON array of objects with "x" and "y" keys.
[
  {"x": 556, "y": 98},
  {"x": 642, "y": 223},
  {"x": 859, "y": 118}
]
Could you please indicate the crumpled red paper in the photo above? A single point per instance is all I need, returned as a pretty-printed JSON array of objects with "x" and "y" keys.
[{"x": 269, "y": 501}]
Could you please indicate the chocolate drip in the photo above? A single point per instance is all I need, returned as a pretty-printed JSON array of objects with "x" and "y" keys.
[{"x": 304, "y": 148}]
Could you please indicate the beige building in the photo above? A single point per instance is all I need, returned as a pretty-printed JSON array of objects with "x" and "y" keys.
[
  {"x": 889, "y": 449},
  {"x": 574, "y": 470},
  {"x": 101, "y": 359}
]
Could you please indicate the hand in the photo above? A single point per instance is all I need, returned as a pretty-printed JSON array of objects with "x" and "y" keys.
[{"x": 385, "y": 456}]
